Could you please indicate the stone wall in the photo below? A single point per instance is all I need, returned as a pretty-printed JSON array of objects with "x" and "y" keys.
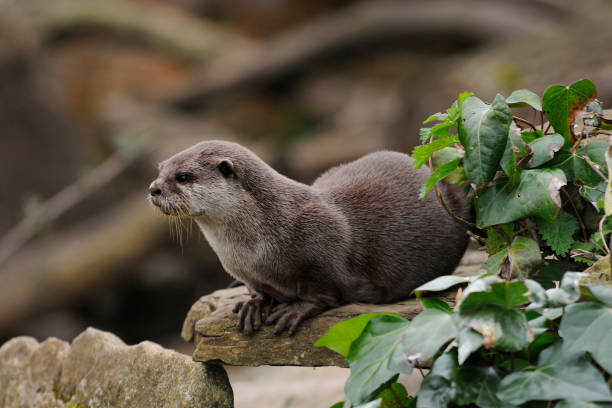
[{"x": 98, "y": 370}]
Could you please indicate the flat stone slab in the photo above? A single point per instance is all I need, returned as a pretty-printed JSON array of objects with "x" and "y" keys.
[
  {"x": 211, "y": 325},
  {"x": 98, "y": 370}
]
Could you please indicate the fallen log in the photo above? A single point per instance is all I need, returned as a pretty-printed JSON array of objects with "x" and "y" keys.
[
  {"x": 156, "y": 25},
  {"x": 369, "y": 24}
]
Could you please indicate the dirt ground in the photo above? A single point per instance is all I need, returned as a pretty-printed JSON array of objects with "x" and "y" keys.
[{"x": 295, "y": 387}]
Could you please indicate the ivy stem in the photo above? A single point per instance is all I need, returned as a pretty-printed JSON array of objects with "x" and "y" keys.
[
  {"x": 501, "y": 232},
  {"x": 547, "y": 129},
  {"x": 439, "y": 197},
  {"x": 399, "y": 401},
  {"x": 574, "y": 194},
  {"x": 542, "y": 121},
  {"x": 421, "y": 371},
  {"x": 523, "y": 159},
  {"x": 478, "y": 238},
  {"x": 603, "y": 238},
  {"x": 571, "y": 201},
  {"x": 577, "y": 143},
  {"x": 595, "y": 167},
  {"x": 525, "y": 121}
]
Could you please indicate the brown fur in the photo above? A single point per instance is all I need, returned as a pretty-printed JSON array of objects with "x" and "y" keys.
[{"x": 359, "y": 233}]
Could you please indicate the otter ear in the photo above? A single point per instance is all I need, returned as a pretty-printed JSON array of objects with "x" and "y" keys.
[{"x": 226, "y": 167}]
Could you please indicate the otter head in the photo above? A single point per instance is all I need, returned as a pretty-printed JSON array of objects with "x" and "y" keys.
[{"x": 202, "y": 181}]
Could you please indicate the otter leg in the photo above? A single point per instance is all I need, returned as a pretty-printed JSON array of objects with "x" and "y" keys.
[
  {"x": 290, "y": 315},
  {"x": 253, "y": 312}
]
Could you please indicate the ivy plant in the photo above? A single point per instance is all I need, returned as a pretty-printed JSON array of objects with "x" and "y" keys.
[{"x": 526, "y": 331}]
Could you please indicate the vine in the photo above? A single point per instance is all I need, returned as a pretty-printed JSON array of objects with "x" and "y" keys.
[{"x": 526, "y": 331}]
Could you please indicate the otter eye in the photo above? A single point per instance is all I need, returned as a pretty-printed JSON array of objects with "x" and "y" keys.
[{"x": 183, "y": 178}]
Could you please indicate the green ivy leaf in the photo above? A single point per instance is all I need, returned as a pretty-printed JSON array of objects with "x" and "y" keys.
[
  {"x": 537, "y": 194},
  {"x": 447, "y": 155},
  {"x": 372, "y": 404},
  {"x": 561, "y": 102},
  {"x": 396, "y": 396},
  {"x": 495, "y": 242},
  {"x": 341, "y": 335},
  {"x": 529, "y": 136},
  {"x": 448, "y": 383},
  {"x": 478, "y": 385},
  {"x": 552, "y": 313},
  {"x": 428, "y": 331},
  {"x": 601, "y": 293},
  {"x": 544, "y": 340},
  {"x": 440, "y": 173},
  {"x": 442, "y": 283},
  {"x": 492, "y": 314},
  {"x": 538, "y": 325},
  {"x": 563, "y": 160},
  {"x": 558, "y": 234},
  {"x": 422, "y": 153},
  {"x": 515, "y": 151},
  {"x": 594, "y": 194},
  {"x": 556, "y": 377},
  {"x": 537, "y": 294},
  {"x": 467, "y": 341},
  {"x": 495, "y": 261},
  {"x": 433, "y": 303},
  {"x": 596, "y": 151},
  {"x": 544, "y": 149},
  {"x": 575, "y": 167},
  {"x": 570, "y": 403},
  {"x": 522, "y": 98},
  {"x": 506, "y": 295},
  {"x": 484, "y": 133},
  {"x": 436, "y": 116},
  {"x": 587, "y": 326},
  {"x": 559, "y": 298},
  {"x": 608, "y": 190},
  {"x": 436, "y": 390},
  {"x": 439, "y": 131},
  {"x": 375, "y": 357},
  {"x": 524, "y": 256},
  {"x": 480, "y": 283},
  {"x": 568, "y": 293},
  {"x": 454, "y": 112}
]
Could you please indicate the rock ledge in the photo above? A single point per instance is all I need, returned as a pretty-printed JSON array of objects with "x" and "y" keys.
[{"x": 211, "y": 325}]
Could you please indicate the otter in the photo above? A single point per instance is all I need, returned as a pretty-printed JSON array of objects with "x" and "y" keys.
[{"x": 359, "y": 233}]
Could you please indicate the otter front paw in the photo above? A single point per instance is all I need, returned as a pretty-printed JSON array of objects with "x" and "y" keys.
[
  {"x": 252, "y": 313},
  {"x": 290, "y": 315}
]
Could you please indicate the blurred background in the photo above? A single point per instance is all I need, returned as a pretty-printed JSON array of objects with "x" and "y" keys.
[{"x": 93, "y": 94}]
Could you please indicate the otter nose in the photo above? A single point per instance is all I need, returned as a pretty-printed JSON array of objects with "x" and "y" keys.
[{"x": 155, "y": 191}]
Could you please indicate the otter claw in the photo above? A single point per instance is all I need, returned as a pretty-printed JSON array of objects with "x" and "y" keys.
[
  {"x": 237, "y": 307},
  {"x": 251, "y": 314},
  {"x": 289, "y": 316}
]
